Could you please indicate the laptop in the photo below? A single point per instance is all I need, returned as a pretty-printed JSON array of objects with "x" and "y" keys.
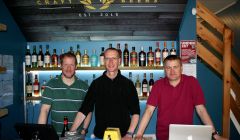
[
  {"x": 36, "y": 131},
  {"x": 190, "y": 132}
]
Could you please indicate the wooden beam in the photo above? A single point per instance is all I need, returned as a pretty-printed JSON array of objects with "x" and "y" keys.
[
  {"x": 3, "y": 27},
  {"x": 236, "y": 64},
  {"x": 235, "y": 85},
  {"x": 235, "y": 109}
]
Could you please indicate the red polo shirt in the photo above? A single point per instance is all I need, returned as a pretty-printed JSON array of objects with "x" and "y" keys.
[{"x": 175, "y": 104}]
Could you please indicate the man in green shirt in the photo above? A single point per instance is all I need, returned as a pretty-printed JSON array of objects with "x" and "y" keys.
[{"x": 63, "y": 95}]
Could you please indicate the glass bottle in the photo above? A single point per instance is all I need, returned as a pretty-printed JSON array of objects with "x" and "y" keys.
[
  {"x": 40, "y": 57},
  {"x": 47, "y": 57},
  {"x": 34, "y": 57},
  {"x": 102, "y": 58},
  {"x": 120, "y": 53},
  {"x": 65, "y": 126},
  {"x": 78, "y": 56},
  {"x": 164, "y": 51},
  {"x": 126, "y": 56},
  {"x": 173, "y": 50},
  {"x": 43, "y": 86},
  {"x": 29, "y": 86},
  {"x": 94, "y": 59},
  {"x": 71, "y": 50},
  {"x": 130, "y": 76},
  {"x": 133, "y": 58},
  {"x": 61, "y": 55},
  {"x": 144, "y": 86},
  {"x": 142, "y": 57},
  {"x": 157, "y": 55},
  {"x": 85, "y": 59},
  {"x": 150, "y": 57},
  {"x": 36, "y": 87},
  {"x": 54, "y": 58},
  {"x": 151, "y": 82},
  {"x": 138, "y": 86},
  {"x": 110, "y": 45},
  {"x": 28, "y": 57}
]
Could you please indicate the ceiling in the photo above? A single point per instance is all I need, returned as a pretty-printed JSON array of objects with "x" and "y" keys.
[{"x": 70, "y": 20}]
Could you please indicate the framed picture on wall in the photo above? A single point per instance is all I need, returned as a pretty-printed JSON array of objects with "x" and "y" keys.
[{"x": 188, "y": 51}]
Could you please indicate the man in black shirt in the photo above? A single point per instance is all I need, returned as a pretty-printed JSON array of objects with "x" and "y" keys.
[{"x": 114, "y": 98}]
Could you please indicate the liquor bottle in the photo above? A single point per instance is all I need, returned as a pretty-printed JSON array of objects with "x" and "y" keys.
[
  {"x": 65, "y": 126},
  {"x": 173, "y": 50},
  {"x": 126, "y": 56},
  {"x": 34, "y": 57},
  {"x": 85, "y": 59},
  {"x": 133, "y": 58},
  {"x": 142, "y": 57},
  {"x": 40, "y": 57},
  {"x": 36, "y": 87},
  {"x": 94, "y": 59},
  {"x": 138, "y": 86},
  {"x": 71, "y": 50},
  {"x": 120, "y": 53},
  {"x": 110, "y": 45},
  {"x": 164, "y": 51},
  {"x": 29, "y": 87},
  {"x": 130, "y": 76},
  {"x": 102, "y": 58},
  {"x": 61, "y": 55},
  {"x": 157, "y": 55},
  {"x": 47, "y": 57},
  {"x": 144, "y": 86},
  {"x": 54, "y": 58},
  {"x": 151, "y": 82},
  {"x": 28, "y": 57},
  {"x": 150, "y": 57},
  {"x": 43, "y": 86},
  {"x": 78, "y": 56}
]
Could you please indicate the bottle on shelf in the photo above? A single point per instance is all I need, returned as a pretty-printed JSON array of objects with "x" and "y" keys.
[
  {"x": 173, "y": 50},
  {"x": 157, "y": 55},
  {"x": 130, "y": 76},
  {"x": 28, "y": 58},
  {"x": 133, "y": 58},
  {"x": 94, "y": 59},
  {"x": 151, "y": 82},
  {"x": 164, "y": 51},
  {"x": 150, "y": 57},
  {"x": 40, "y": 57},
  {"x": 61, "y": 55},
  {"x": 65, "y": 126},
  {"x": 54, "y": 58},
  {"x": 138, "y": 86},
  {"x": 29, "y": 86},
  {"x": 142, "y": 57},
  {"x": 78, "y": 56},
  {"x": 144, "y": 86},
  {"x": 34, "y": 57},
  {"x": 47, "y": 57},
  {"x": 85, "y": 59},
  {"x": 102, "y": 58},
  {"x": 71, "y": 50},
  {"x": 120, "y": 53},
  {"x": 110, "y": 45},
  {"x": 126, "y": 56},
  {"x": 36, "y": 87},
  {"x": 43, "y": 86}
]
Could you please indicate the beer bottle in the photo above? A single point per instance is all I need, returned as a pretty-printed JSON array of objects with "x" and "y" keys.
[{"x": 65, "y": 126}]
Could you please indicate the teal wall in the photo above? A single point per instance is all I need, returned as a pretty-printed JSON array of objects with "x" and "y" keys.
[{"x": 12, "y": 43}]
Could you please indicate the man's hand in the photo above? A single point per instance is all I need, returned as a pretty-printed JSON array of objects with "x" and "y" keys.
[
  {"x": 218, "y": 137},
  {"x": 127, "y": 137},
  {"x": 138, "y": 137}
]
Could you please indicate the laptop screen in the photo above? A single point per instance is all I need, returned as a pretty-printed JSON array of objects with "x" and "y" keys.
[
  {"x": 36, "y": 131},
  {"x": 190, "y": 132}
]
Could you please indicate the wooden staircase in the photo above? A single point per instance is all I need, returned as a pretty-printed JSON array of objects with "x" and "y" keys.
[{"x": 214, "y": 46}]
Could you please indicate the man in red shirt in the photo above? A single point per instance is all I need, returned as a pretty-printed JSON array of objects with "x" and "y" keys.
[{"x": 175, "y": 96}]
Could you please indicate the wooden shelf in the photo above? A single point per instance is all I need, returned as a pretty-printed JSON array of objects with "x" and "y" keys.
[
  {"x": 2, "y": 69},
  {"x": 33, "y": 98},
  {"x": 3, "y": 112},
  {"x": 3, "y": 27},
  {"x": 97, "y": 68}
]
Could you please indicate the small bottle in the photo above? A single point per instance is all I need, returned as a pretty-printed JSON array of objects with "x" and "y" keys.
[
  {"x": 126, "y": 56},
  {"x": 157, "y": 55},
  {"x": 54, "y": 58},
  {"x": 71, "y": 50},
  {"x": 173, "y": 50},
  {"x": 29, "y": 87},
  {"x": 151, "y": 82},
  {"x": 65, "y": 126},
  {"x": 142, "y": 57},
  {"x": 133, "y": 58},
  {"x": 43, "y": 86},
  {"x": 78, "y": 56},
  {"x": 102, "y": 58},
  {"x": 110, "y": 45},
  {"x": 150, "y": 57},
  {"x": 34, "y": 57},
  {"x": 120, "y": 53},
  {"x": 36, "y": 87},
  {"x": 144, "y": 86},
  {"x": 47, "y": 57},
  {"x": 94, "y": 59},
  {"x": 40, "y": 57},
  {"x": 28, "y": 58},
  {"x": 85, "y": 59},
  {"x": 138, "y": 86},
  {"x": 164, "y": 51}
]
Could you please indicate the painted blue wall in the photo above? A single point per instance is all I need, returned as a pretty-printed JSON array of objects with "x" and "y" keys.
[{"x": 12, "y": 43}]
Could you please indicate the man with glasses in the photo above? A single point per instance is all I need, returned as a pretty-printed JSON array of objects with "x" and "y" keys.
[
  {"x": 63, "y": 95},
  {"x": 114, "y": 98},
  {"x": 175, "y": 97}
]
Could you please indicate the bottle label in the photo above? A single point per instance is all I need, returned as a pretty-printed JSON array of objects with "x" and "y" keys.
[
  {"x": 35, "y": 87},
  {"x": 29, "y": 88},
  {"x": 144, "y": 86},
  {"x": 102, "y": 60},
  {"x": 78, "y": 59},
  {"x": 47, "y": 59},
  {"x": 165, "y": 54},
  {"x": 142, "y": 58},
  {"x": 173, "y": 53},
  {"x": 138, "y": 91},
  {"x": 27, "y": 59},
  {"x": 40, "y": 63},
  {"x": 34, "y": 58},
  {"x": 158, "y": 54}
]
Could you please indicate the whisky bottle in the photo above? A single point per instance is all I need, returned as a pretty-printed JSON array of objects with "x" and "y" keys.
[
  {"x": 173, "y": 50},
  {"x": 133, "y": 58},
  {"x": 85, "y": 59},
  {"x": 78, "y": 56},
  {"x": 36, "y": 87},
  {"x": 102, "y": 58},
  {"x": 47, "y": 57},
  {"x": 164, "y": 51},
  {"x": 61, "y": 55},
  {"x": 144, "y": 86},
  {"x": 28, "y": 57},
  {"x": 157, "y": 55},
  {"x": 40, "y": 57},
  {"x": 142, "y": 57},
  {"x": 138, "y": 86},
  {"x": 54, "y": 58},
  {"x": 34, "y": 57},
  {"x": 150, "y": 57},
  {"x": 94, "y": 59},
  {"x": 120, "y": 53},
  {"x": 65, "y": 126},
  {"x": 29, "y": 87},
  {"x": 151, "y": 82},
  {"x": 126, "y": 56}
]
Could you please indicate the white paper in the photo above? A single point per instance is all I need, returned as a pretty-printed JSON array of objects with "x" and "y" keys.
[{"x": 190, "y": 69}]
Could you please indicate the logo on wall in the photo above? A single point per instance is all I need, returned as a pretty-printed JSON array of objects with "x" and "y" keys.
[{"x": 105, "y": 4}]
